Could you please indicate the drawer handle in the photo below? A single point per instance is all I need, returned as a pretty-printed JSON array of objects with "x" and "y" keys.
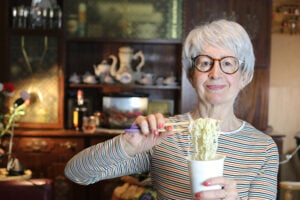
[
  {"x": 69, "y": 145},
  {"x": 37, "y": 145}
]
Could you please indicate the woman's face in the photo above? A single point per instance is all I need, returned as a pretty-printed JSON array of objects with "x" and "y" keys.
[{"x": 215, "y": 87}]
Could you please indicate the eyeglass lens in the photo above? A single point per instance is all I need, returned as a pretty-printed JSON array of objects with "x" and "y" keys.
[{"x": 228, "y": 65}]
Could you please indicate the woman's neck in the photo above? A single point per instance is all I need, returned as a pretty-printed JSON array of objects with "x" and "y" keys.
[{"x": 229, "y": 121}]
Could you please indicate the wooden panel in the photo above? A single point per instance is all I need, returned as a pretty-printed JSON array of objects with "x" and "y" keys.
[
  {"x": 252, "y": 102},
  {"x": 254, "y": 15},
  {"x": 3, "y": 41},
  {"x": 188, "y": 95},
  {"x": 198, "y": 12}
]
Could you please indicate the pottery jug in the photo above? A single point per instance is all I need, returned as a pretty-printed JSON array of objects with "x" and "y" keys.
[{"x": 126, "y": 73}]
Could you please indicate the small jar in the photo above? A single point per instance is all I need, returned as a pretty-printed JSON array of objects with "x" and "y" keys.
[
  {"x": 89, "y": 124},
  {"x": 97, "y": 116}
]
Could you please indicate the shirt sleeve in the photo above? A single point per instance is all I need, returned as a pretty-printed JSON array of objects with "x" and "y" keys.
[
  {"x": 264, "y": 186},
  {"x": 104, "y": 161}
]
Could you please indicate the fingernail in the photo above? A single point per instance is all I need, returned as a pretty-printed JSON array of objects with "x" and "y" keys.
[
  {"x": 155, "y": 132},
  {"x": 206, "y": 183},
  {"x": 160, "y": 126},
  {"x": 198, "y": 195},
  {"x": 169, "y": 128}
]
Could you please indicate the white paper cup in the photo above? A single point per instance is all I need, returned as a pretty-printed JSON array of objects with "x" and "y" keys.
[{"x": 201, "y": 170}]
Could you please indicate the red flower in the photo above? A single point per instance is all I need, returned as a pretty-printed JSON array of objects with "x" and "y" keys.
[{"x": 8, "y": 87}]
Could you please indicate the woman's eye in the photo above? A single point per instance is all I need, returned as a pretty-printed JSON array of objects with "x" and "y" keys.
[
  {"x": 205, "y": 64},
  {"x": 227, "y": 64}
]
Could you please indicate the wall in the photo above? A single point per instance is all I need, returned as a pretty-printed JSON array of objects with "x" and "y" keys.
[
  {"x": 284, "y": 105},
  {"x": 284, "y": 100}
]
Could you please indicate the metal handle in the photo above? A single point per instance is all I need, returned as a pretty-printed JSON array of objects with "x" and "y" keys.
[
  {"x": 37, "y": 145},
  {"x": 69, "y": 145}
]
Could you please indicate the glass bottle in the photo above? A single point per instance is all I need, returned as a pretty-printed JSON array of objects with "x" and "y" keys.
[
  {"x": 81, "y": 19},
  {"x": 79, "y": 111},
  {"x": 14, "y": 17}
]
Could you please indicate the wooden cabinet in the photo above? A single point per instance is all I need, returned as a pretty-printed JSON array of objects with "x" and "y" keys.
[
  {"x": 252, "y": 103},
  {"x": 105, "y": 32},
  {"x": 56, "y": 150},
  {"x": 46, "y": 155},
  {"x": 163, "y": 56},
  {"x": 162, "y": 59},
  {"x": 32, "y": 61}
]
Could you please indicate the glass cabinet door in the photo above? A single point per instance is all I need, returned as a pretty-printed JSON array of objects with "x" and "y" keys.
[
  {"x": 34, "y": 68},
  {"x": 34, "y": 58},
  {"x": 142, "y": 19}
]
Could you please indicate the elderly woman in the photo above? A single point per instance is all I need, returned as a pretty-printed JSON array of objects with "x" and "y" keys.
[{"x": 219, "y": 61}]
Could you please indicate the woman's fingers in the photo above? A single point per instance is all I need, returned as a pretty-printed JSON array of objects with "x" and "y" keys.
[
  {"x": 221, "y": 180},
  {"x": 142, "y": 122},
  {"x": 160, "y": 120},
  {"x": 151, "y": 123},
  {"x": 211, "y": 194},
  {"x": 148, "y": 135},
  {"x": 228, "y": 191}
]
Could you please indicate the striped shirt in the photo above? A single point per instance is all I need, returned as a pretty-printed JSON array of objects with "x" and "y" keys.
[{"x": 251, "y": 159}]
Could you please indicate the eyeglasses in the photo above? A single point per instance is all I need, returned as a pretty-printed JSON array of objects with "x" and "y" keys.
[{"x": 228, "y": 64}]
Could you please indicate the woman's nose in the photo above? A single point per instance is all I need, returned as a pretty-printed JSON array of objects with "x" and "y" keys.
[{"x": 216, "y": 71}]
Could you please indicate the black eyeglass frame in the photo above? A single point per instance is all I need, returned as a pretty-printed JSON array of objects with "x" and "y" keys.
[{"x": 216, "y": 59}]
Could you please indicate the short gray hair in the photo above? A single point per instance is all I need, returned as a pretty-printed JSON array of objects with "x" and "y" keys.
[{"x": 222, "y": 34}]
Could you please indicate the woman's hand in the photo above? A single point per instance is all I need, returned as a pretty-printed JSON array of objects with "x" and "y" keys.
[
  {"x": 148, "y": 137},
  {"x": 228, "y": 191}
]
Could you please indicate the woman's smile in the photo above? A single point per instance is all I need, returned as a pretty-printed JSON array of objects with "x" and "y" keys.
[{"x": 215, "y": 87}]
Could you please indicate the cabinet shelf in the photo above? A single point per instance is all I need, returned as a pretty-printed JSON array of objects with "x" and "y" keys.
[
  {"x": 129, "y": 86},
  {"x": 291, "y": 15},
  {"x": 147, "y": 41},
  {"x": 47, "y": 32}
]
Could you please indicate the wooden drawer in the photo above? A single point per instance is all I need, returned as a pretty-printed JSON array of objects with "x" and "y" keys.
[{"x": 48, "y": 145}]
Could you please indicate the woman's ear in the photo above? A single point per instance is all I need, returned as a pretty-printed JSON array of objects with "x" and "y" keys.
[
  {"x": 190, "y": 76},
  {"x": 244, "y": 81}
]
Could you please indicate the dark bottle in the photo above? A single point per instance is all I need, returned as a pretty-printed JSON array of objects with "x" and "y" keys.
[{"x": 79, "y": 111}]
